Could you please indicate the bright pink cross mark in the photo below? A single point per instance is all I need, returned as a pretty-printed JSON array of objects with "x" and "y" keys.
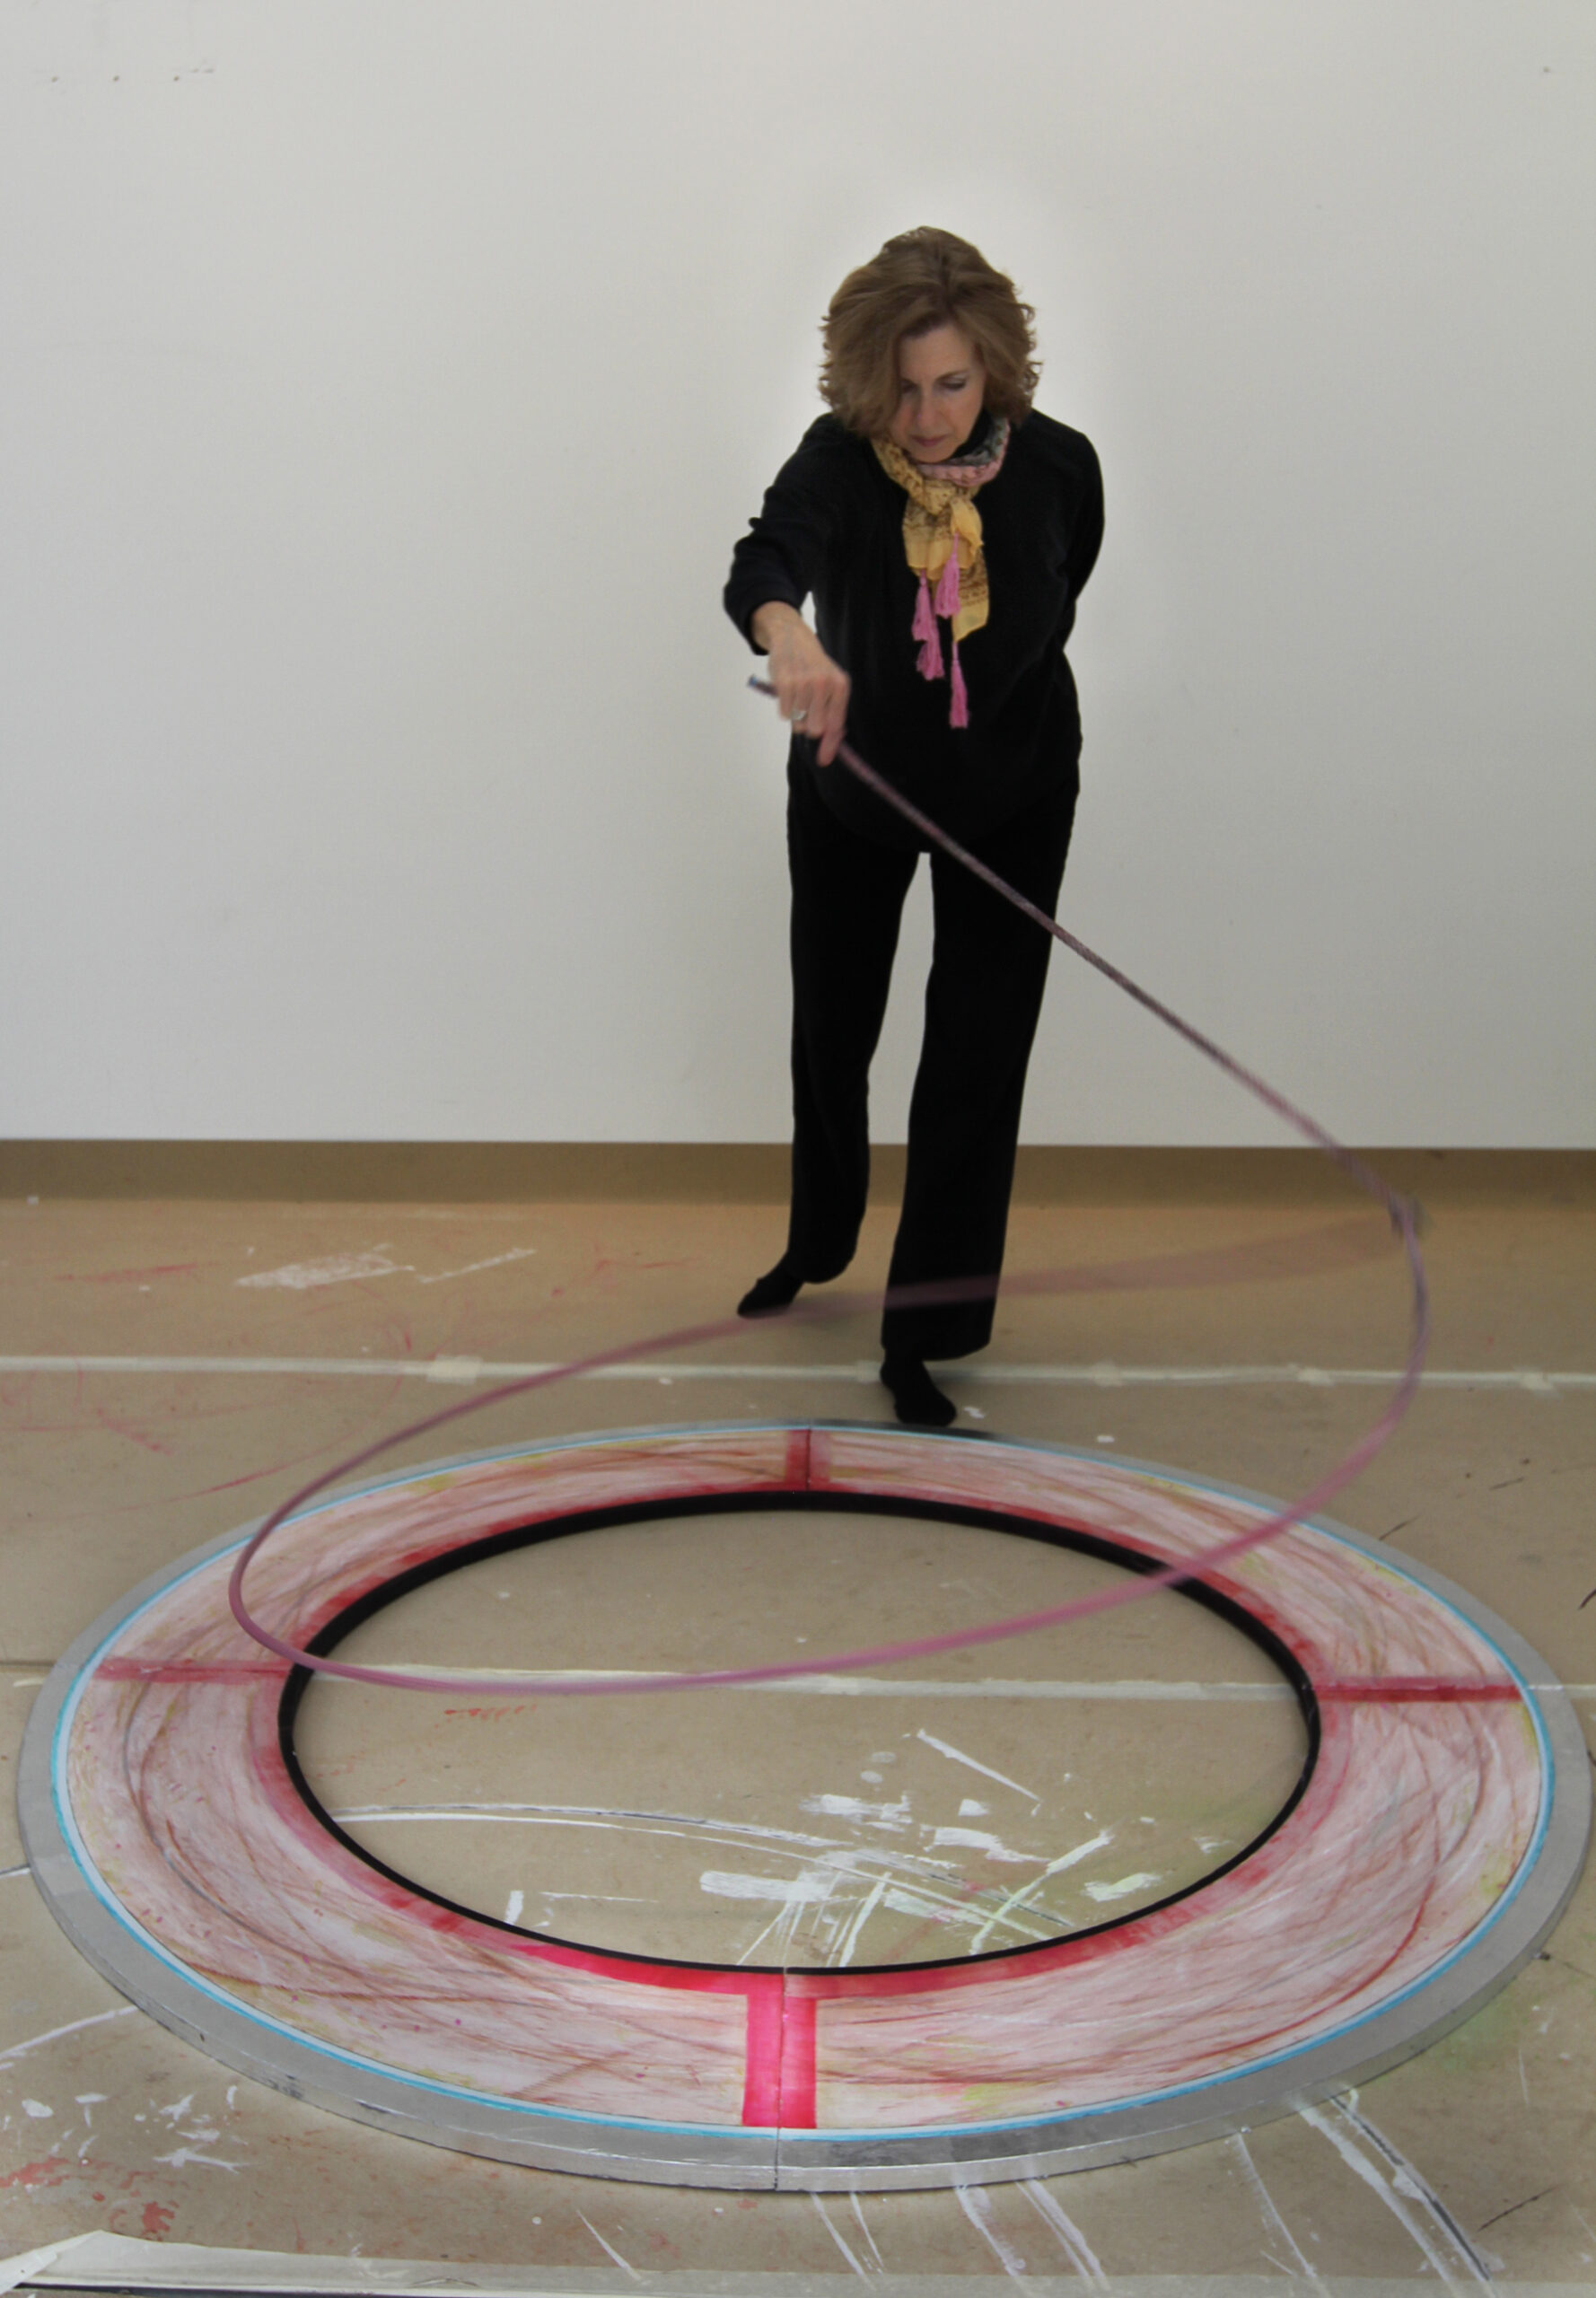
[{"x": 779, "y": 2086}]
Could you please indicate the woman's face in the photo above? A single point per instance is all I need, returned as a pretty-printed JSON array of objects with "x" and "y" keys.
[{"x": 940, "y": 385}]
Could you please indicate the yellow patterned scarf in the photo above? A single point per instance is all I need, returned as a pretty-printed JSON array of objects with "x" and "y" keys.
[{"x": 942, "y": 540}]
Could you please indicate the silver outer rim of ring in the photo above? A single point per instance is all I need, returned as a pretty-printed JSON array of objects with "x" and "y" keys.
[{"x": 796, "y": 2161}]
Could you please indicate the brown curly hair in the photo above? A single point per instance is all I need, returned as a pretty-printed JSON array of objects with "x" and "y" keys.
[{"x": 920, "y": 280}]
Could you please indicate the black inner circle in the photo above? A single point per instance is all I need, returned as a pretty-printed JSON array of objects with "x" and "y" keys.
[{"x": 761, "y": 1502}]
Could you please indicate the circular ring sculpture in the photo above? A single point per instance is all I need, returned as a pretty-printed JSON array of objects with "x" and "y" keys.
[{"x": 1435, "y": 1835}]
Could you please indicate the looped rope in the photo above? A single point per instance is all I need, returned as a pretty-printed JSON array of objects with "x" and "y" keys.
[{"x": 1405, "y": 1219}]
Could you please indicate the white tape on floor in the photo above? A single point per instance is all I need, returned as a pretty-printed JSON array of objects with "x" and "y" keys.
[
  {"x": 916, "y": 1688},
  {"x": 861, "y": 1371},
  {"x": 891, "y": 1687}
]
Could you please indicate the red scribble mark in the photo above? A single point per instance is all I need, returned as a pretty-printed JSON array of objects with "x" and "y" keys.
[
  {"x": 1416, "y": 1688},
  {"x": 50, "y": 2172},
  {"x": 108, "y": 1508},
  {"x": 158, "y": 2216},
  {"x": 233, "y": 1483},
  {"x": 106, "y": 1419},
  {"x": 186, "y": 1671}
]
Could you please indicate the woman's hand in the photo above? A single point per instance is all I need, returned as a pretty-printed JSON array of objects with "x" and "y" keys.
[{"x": 811, "y": 692}]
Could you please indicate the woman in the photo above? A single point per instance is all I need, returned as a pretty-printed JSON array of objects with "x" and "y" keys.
[{"x": 943, "y": 531}]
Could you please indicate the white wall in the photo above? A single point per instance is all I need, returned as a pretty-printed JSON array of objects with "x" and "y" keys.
[{"x": 385, "y": 382}]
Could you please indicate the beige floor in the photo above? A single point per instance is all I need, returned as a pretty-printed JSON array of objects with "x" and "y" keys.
[
  {"x": 111, "y": 1470},
  {"x": 788, "y": 1828}
]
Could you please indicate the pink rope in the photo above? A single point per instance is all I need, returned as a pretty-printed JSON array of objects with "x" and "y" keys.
[{"x": 1404, "y": 1218}]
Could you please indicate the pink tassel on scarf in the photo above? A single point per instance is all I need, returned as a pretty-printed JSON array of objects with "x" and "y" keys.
[
  {"x": 929, "y": 661},
  {"x": 923, "y": 629},
  {"x": 958, "y": 715}
]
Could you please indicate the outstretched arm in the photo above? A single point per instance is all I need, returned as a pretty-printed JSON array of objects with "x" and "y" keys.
[{"x": 811, "y": 690}]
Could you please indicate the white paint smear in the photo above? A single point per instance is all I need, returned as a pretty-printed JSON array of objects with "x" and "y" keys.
[
  {"x": 893, "y": 1816},
  {"x": 185, "y": 2155},
  {"x": 809, "y": 1888},
  {"x": 852, "y": 1880},
  {"x": 1408, "y": 2180},
  {"x": 881, "y": 2263},
  {"x": 1327, "y": 2122},
  {"x": 73, "y": 2027},
  {"x": 608, "y": 2249},
  {"x": 976, "y": 1839},
  {"x": 957, "y": 1755},
  {"x": 842, "y": 1951},
  {"x": 1121, "y": 1889},
  {"x": 1072, "y": 2242},
  {"x": 977, "y": 2206},
  {"x": 837, "y": 2237},
  {"x": 472, "y": 1267},
  {"x": 1238, "y": 2143},
  {"x": 337, "y": 1268},
  {"x": 1016, "y": 1899},
  {"x": 583, "y": 1815}
]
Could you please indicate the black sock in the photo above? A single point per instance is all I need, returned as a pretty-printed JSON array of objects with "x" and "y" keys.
[
  {"x": 920, "y": 1403},
  {"x": 778, "y": 1288}
]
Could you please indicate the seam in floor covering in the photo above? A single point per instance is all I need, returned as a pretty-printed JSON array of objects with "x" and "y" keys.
[
  {"x": 100, "y": 2262},
  {"x": 466, "y": 1371}
]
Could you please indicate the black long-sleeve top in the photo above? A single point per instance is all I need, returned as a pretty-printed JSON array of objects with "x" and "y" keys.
[{"x": 832, "y": 527}]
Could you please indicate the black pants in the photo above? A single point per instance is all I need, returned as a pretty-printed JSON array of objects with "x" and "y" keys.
[{"x": 983, "y": 997}]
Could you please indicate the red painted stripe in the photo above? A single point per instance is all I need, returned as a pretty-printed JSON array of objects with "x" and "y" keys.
[
  {"x": 779, "y": 2091},
  {"x": 797, "y": 2061},
  {"x": 188, "y": 1671},
  {"x": 1411, "y": 1688},
  {"x": 762, "y": 2082},
  {"x": 819, "y": 1460},
  {"x": 795, "y": 1474}
]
